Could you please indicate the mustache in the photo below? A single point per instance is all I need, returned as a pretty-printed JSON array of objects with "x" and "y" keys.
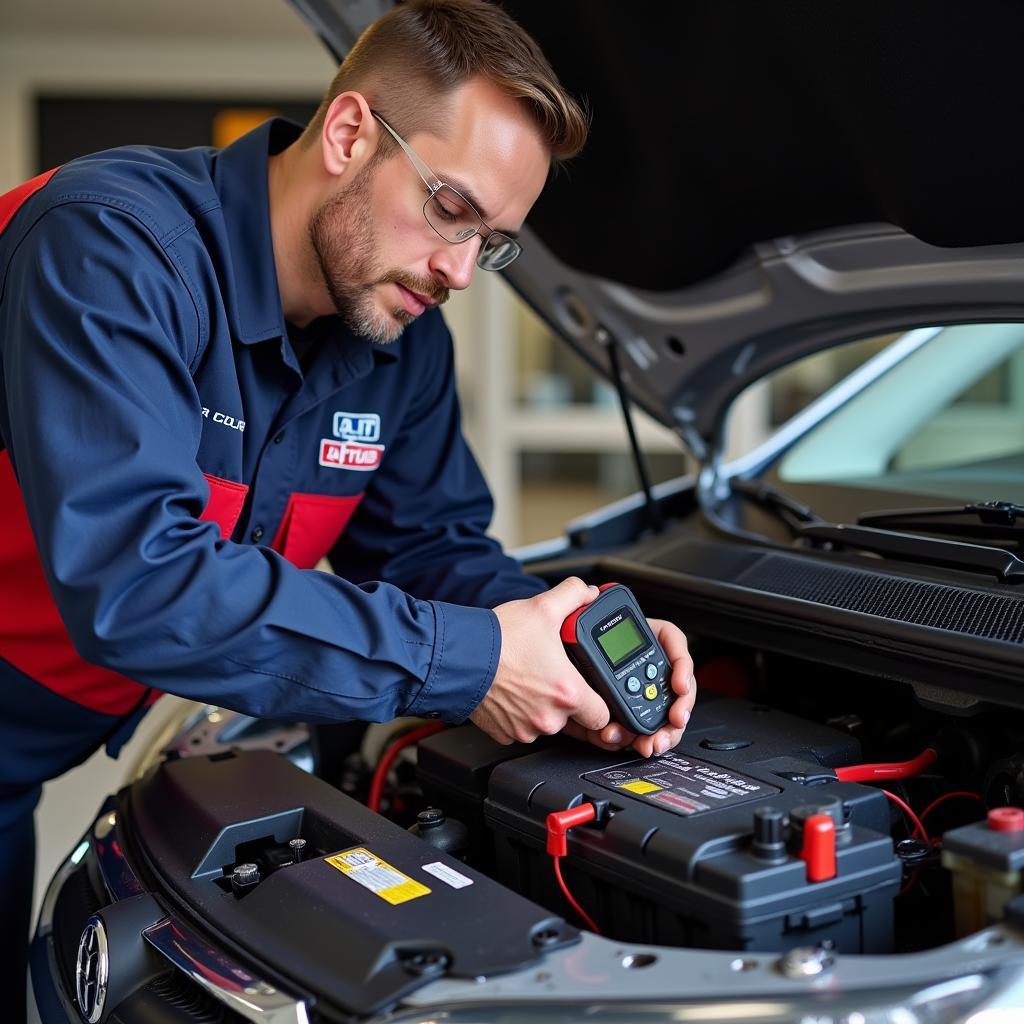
[{"x": 424, "y": 286}]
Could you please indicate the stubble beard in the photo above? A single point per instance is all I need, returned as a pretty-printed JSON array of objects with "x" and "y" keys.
[{"x": 344, "y": 245}]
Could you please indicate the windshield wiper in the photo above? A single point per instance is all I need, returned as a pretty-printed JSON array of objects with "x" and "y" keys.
[
  {"x": 805, "y": 524},
  {"x": 794, "y": 514},
  {"x": 909, "y": 547},
  {"x": 1001, "y": 520}
]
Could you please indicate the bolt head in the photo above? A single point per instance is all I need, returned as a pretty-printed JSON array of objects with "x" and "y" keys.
[{"x": 807, "y": 961}]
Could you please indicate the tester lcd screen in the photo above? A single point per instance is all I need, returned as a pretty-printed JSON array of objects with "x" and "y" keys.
[{"x": 622, "y": 641}]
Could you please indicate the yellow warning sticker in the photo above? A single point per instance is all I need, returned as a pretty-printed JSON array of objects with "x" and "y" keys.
[
  {"x": 641, "y": 787},
  {"x": 378, "y": 876}
]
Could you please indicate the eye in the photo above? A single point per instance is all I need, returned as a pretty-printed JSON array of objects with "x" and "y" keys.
[{"x": 444, "y": 210}]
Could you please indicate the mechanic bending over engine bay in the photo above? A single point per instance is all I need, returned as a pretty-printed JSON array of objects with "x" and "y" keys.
[{"x": 220, "y": 366}]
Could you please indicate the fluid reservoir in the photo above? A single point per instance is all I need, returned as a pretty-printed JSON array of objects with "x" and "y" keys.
[{"x": 986, "y": 860}]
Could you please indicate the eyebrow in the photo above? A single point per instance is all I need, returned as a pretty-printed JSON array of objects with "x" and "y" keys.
[{"x": 460, "y": 186}]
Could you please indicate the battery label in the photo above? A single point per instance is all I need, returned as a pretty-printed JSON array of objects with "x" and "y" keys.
[
  {"x": 683, "y": 785},
  {"x": 378, "y": 876},
  {"x": 456, "y": 879}
]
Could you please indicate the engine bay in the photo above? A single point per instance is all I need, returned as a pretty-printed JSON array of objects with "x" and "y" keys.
[
  {"x": 814, "y": 809},
  {"x": 708, "y": 846}
]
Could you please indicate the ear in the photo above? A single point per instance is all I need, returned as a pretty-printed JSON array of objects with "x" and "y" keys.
[{"x": 350, "y": 134}]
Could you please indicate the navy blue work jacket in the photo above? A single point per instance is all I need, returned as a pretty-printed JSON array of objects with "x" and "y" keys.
[{"x": 170, "y": 475}]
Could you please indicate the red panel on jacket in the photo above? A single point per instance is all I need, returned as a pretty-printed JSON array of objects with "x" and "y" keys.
[
  {"x": 32, "y": 635},
  {"x": 225, "y": 505},
  {"x": 11, "y": 201},
  {"x": 311, "y": 525}
]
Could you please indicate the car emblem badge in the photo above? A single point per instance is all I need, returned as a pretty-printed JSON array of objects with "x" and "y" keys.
[{"x": 92, "y": 971}]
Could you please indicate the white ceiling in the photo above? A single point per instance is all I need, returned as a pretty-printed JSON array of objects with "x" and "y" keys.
[{"x": 262, "y": 18}]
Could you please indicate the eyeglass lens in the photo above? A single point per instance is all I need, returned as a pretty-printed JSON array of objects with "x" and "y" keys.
[
  {"x": 451, "y": 216},
  {"x": 455, "y": 220},
  {"x": 497, "y": 252}
]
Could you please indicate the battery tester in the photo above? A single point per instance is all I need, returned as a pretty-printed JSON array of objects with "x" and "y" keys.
[{"x": 613, "y": 648}]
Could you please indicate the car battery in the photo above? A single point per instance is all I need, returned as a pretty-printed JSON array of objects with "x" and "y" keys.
[{"x": 703, "y": 846}]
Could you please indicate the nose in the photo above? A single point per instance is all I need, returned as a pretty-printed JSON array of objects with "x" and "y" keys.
[{"x": 455, "y": 264}]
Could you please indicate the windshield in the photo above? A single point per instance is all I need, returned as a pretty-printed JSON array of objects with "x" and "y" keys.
[{"x": 937, "y": 411}]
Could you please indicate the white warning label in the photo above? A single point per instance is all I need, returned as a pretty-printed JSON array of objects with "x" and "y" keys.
[{"x": 448, "y": 875}]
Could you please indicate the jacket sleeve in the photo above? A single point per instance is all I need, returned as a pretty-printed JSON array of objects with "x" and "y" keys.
[
  {"x": 102, "y": 424},
  {"x": 422, "y": 524}
]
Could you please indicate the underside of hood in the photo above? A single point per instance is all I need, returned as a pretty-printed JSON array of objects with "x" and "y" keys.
[
  {"x": 717, "y": 125},
  {"x": 765, "y": 180}
]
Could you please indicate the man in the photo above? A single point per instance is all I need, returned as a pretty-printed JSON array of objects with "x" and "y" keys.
[{"x": 219, "y": 367}]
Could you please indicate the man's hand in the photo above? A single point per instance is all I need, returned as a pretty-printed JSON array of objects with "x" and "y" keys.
[
  {"x": 536, "y": 689},
  {"x": 615, "y": 737}
]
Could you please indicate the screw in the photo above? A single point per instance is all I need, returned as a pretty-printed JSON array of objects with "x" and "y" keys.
[
  {"x": 426, "y": 963},
  {"x": 244, "y": 877},
  {"x": 298, "y": 848},
  {"x": 913, "y": 852},
  {"x": 807, "y": 961}
]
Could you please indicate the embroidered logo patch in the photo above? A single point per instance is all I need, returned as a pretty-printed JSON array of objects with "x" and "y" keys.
[
  {"x": 357, "y": 426},
  {"x": 350, "y": 455}
]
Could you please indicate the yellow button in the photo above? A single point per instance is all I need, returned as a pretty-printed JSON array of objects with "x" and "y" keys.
[{"x": 651, "y": 692}]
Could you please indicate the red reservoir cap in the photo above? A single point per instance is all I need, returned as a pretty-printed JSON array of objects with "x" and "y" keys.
[
  {"x": 819, "y": 847},
  {"x": 1006, "y": 819}
]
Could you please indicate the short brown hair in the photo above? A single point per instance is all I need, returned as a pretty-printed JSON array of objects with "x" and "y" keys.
[{"x": 423, "y": 49}]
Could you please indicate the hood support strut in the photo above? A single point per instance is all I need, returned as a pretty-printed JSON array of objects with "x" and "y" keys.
[{"x": 610, "y": 342}]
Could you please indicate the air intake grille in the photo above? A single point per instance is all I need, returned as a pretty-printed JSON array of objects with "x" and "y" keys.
[
  {"x": 195, "y": 1005},
  {"x": 973, "y": 612}
]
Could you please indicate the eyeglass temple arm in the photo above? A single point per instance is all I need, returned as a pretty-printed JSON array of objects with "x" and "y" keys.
[{"x": 430, "y": 179}]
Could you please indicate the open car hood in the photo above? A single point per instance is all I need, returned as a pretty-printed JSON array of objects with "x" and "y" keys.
[{"x": 766, "y": 180}]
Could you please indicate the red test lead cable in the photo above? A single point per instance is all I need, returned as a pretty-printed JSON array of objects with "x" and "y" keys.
[
  {"x": 960, "y": 794},
  {"x": 380, "y": 773},
  {"x": 884, "y": 772},
  {"x": 558, "y": 823},
  {"x": 919, "y": 831}
]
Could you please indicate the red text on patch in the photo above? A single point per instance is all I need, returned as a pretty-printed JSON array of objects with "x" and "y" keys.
[{"x": 350, "y": 455}]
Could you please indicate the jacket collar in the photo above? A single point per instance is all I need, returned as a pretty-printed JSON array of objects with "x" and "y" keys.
[
  {"x": 240, "y": 177},
  {"x": 254, "y": 301}
]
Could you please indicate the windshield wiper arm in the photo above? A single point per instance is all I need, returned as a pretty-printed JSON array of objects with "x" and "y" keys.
[
  {"x": 794, "y": 514},
  {"x": 996, "y": 519},
  {"x": 909, "y": 547}
]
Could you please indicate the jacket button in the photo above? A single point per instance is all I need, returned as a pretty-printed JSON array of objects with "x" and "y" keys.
[
  {"x": 279, "y": 438},
  {"x": 256, "y": 534}
]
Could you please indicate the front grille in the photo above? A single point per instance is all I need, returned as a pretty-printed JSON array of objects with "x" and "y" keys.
[
  {"x": 170, "y": 997},
  {"x": 189, "y": 999},
  {"x": 956, "y": 609},
  {"x": 77, "y": 901}
]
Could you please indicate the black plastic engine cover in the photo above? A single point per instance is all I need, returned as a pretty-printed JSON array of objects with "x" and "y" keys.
[{"x": 357, "y": 945}]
